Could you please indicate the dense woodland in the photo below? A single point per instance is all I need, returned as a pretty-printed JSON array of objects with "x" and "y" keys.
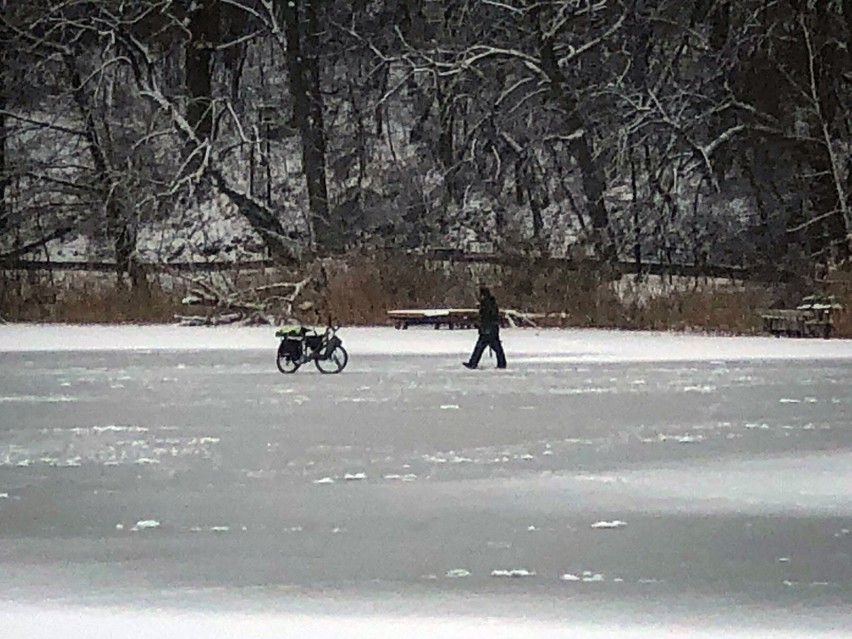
[{"x": 693, "y": 132}]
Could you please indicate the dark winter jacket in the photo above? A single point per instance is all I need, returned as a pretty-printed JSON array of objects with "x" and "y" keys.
[{"x": 489, "y": 315}]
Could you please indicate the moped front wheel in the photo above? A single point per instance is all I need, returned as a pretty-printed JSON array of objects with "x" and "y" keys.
[
  {"x": 334, "y": 363},
  {"x": 286, "y": 364}
]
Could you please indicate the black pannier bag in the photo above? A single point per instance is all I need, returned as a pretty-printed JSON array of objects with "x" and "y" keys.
[
  {"x": 292, "y": 348},
  {"x": 313, "y": 342}
]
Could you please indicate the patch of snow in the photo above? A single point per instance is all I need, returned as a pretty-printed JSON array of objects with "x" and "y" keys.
[
  {"x": 590, "y": 577},
  {"x": 145, "y": 524},
  {"x": 114, "y": 428},
  {"x": 457, "y": 573},
  {"x": 607, "y": 525},
  {"x": 406, "y": 477},
  {"x": 604, "y": 479},
  {"x": 35, "y": 399},
  {"x": 515, "y": 572}
]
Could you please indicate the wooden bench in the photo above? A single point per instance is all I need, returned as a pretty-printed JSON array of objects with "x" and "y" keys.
[
  {"x": 811, "y": 318},
  {"x": 437, "y": 317},
  {"x": 454, "y": 317}
]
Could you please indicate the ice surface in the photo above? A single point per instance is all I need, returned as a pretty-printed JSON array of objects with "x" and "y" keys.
[{"x": 168, "y": 481}]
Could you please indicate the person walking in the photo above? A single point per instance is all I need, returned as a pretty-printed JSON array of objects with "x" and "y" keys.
[{"x": 489, "y": 331}]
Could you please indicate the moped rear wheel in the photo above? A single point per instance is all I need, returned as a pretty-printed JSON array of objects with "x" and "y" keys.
[
  {"x": 286, "y": 364},
  {"x": 334, "y": 363}
]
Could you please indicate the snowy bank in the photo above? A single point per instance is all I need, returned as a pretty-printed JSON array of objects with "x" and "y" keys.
[
  {"x": 107, "y": 623},
  {"x": 568, "y": 345}
]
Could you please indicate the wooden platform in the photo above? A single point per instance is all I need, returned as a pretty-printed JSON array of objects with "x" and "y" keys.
[
  {"x": 811, "y": 318},
  {"x": 455, "y": 317}
]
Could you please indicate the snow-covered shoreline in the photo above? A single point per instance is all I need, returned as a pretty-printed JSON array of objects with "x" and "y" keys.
[{"x": 567, "y": 345}]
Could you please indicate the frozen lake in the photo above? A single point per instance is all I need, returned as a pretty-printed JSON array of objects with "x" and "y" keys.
[{"x": 168, "y": 481}]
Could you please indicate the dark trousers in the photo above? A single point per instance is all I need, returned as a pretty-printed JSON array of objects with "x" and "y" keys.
[{"x": 492, "y": 340}]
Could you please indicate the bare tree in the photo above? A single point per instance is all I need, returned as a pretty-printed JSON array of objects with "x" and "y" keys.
[
  {"x": 536, "y": 53},
  {"x": 794, "y": 84},
  {"x": 301, "y": 30}
]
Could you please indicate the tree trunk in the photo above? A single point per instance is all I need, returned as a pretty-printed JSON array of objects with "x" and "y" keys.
[
  {"x": 634, "y": 205},
  {"x": 446, "y": 142},
  {"x": 838, "y": 227},
  {"x": 119, "y": 232},
  {"x": 203, "y": 36},
  {"x": 301, "y": 29},
  {"x": 4, "y": 178}
]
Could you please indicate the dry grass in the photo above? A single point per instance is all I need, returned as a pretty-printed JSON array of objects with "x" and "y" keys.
[
  {"x": 840, "y": 285},
  {"x": 359, "y": 290},
  {"x": 39, "y": 298},
  {"x": 716, "y": 310},
  {"x": 362, "y": 289}
]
